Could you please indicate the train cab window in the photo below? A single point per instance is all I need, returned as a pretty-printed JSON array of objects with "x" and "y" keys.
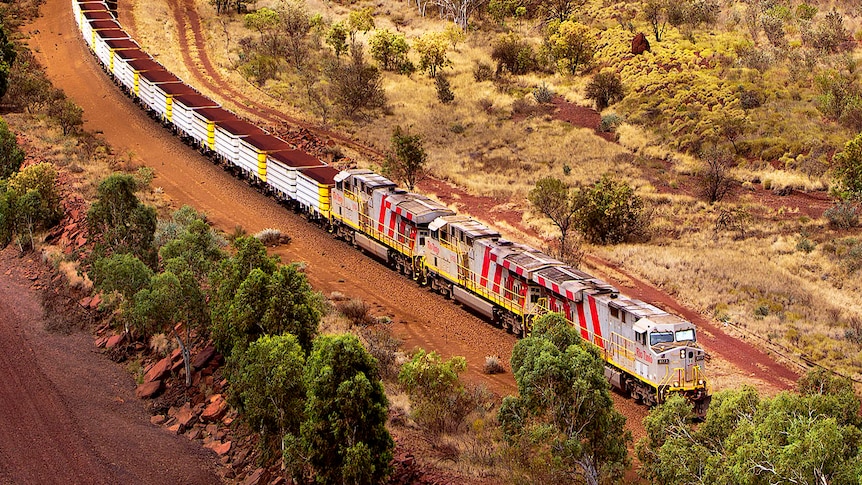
[
  {"x": 684, "y": 335},
  {"x": 435, "y": 234},
  {"x": 615, "y": 312},
  {"x": 421, "y": 240},
  {"x": 339, "y": 185},
  {"x": 640, "y": 337},
  {"x": 656, "y": 338}
]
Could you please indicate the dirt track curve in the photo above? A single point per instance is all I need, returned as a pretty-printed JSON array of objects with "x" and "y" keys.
[{"x": 67, "y": 414}]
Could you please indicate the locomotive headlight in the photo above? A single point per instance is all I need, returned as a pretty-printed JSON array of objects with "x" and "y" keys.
[
  {"x": 682, "y": 354},
  {"x": 676, "y": 384}
]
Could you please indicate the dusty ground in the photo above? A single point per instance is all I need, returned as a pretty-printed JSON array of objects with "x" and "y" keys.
[
  {"x": 421, "y": 318},
  {"x": 69, "y": 415}
]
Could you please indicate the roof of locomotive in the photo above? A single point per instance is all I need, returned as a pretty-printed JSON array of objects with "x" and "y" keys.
[
  {"x": 417, "y": 208},
  {"x": 323, "y": 175},
  {"x": 570, "y": 282},
  {"x": 372, "y": 180},
  {"x": 296, "y": 158},
  {"x": 131, "y": 54},
  {"x": 112, "y": 34},
  {"x": 240, "y": 128},
  {"x": 147, "y": 64},
  {"x": 118, "y": 44},
  {"x": 466, "y": 224},
  {"x": 193, "y": 101},
  {"x": 98, "y": 14},
  {"x": 266, "y": 142},
  {"x": 104, "y": 25},
  {"x": 216, "y": 114}
]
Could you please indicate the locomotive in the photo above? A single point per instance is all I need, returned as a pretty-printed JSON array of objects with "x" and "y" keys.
[{"x": 648, "y": 352}]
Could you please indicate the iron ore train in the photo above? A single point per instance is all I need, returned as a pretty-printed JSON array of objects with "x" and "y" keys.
[{"x": 649, "y": 353}]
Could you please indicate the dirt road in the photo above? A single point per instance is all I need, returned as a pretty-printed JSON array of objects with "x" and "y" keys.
[{"x": 69, "y": 415}]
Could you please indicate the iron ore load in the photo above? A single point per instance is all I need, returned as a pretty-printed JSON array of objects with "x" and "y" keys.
[{"x": 648, "y": 352}]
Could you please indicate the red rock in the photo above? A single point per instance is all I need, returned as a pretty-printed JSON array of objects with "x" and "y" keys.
[
  {"x": 216, "y": 408},
  {"x": 174, "y": 428},
  {"x": 221, "y": 448},
  {"x": 158, "y": 419},
  {"x": 185, "y": 417},
  {"x": 96, "y": 301},
  {"x": 85, "y": 302},
  {"x": 640, "y": 44},
  {"x": 113, "y": 341},
  {"x": 176, "y": 365},
  {"x": 101, "y": 341},
  {"x": 176, "y": 354},
  {"x": 194, "y": 433},
  {"x": 148, "y": 390},
  {"x": 203, "y": 357},
  {"x": 256, "y": 477},
  {"x": 158, "y": 371}
]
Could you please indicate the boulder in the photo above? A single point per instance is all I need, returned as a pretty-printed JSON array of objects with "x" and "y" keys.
[
  {"x": 113, "y": 341},
  {"x": 148, "y": 390},
  {"x": 640, "y": 44},
  {"x": 203, "y": 357},
  {"x": 158, "y": 419},
  {"x": 158, "y": 371},
  {"x": 258, "y": 476},
  {"x": 185, "y": 416},
  {"x": 219, "y": 447},
  {"x": 96, "y": 301},
  {"x": 216, "y": 408}
]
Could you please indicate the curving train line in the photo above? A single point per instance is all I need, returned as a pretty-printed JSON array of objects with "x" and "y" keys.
[{"x": 648, "y": 352}]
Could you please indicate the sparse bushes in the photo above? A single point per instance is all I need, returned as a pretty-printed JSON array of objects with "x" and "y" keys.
[
  {"x": 543, "y": 94},
  {"x": 444, "y": 89},
  {"x": 605, "y": 89},
  {"x": 848, "y": 169},
  {"x": 513, "y": 53},
  {"x": 269, "y": 236},
  {"x": 609, "y": 212},
  {"x": 440, "y": 400},
  {"x": 482, "y": 72},
  {"x": 11, "y": 155},
  {"x": 610, "y": 123},
  {"x": 493, "y": 365},
  {"x": 356, "y": 311},
  {"x": 843, "y": 215}
]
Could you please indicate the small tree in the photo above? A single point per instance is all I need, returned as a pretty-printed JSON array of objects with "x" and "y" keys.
[
  {"x": 552, "y": 197},
  {"x": 360, "y": 21},
  {"x": 68, "y": 115},
  {"x": 571, "y": 45},
  {"x": 563, "y": 416},
  {"x": 11, "y": 156},
  {"x": 444, "y": 89},
  {"x": 120, "y": 221},
  {"x": 406, "y": 160},
  {"x": 123, "y": 273},
  {"x": 715, "y": 180},
  {"x": 7, "y": 59},
  {"x": 432, "y": 48},
  {"x": 357, "y": 85},
  {"x": 848, "y": 169},
  {"x": 266, "y": 386},
  {"x": 605, "y": 89},
  {"x": 336, "y": 38},
  {"x": 655, "y": 12},
  {"x": 439, "y": 399},
  {"x": 389, "y": 50},
  {"x": 609, "y": 212},
  {"x": 343, "y": 438},
  {"x": 31, "y": 203}
]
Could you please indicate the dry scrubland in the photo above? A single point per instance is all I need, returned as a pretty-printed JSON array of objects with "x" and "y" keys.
[{"x": 787, "y": 277}]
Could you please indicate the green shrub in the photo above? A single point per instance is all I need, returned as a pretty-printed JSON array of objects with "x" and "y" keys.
[
  {"x": 610, "y": 212},
  {"x": 440, "y": 400},
  {"x": 482, "y": 72},
  {"x": 543, "y": 94},
  {"x": 514, "y": 54},
  {"x": 444, "y": 89},
  {"x": 842, "y": 215}
]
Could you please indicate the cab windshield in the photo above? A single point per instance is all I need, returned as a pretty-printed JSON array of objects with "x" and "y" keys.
[
  {"x": 683, "y": 335},
  {"x": 660, "y": 337}
]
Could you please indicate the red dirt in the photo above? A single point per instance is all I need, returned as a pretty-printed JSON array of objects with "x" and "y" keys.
[{"x": 68, "y": 414}]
